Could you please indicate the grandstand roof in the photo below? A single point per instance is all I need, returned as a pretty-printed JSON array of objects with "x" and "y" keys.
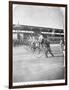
[{"x": 35, "y": 28}]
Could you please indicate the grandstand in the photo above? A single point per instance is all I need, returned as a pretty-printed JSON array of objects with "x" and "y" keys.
[{"x": 23, "y": 31}]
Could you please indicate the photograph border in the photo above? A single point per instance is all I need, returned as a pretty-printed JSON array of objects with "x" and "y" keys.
[{"x": 11, "y": 43}]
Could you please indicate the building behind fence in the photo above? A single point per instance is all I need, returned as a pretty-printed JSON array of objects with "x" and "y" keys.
[{"x": 21, "y": 34}]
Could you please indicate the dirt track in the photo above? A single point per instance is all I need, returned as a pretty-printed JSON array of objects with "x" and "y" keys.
[{"x": 36, "y": 67}]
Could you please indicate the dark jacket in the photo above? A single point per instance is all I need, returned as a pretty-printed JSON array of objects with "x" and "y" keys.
[{"x": 47, "y": 43}]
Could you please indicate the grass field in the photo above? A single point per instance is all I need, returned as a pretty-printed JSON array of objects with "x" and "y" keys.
[{"x": 36, "y": 67}]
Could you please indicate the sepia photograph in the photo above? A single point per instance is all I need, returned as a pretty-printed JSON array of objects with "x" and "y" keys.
[{"x": 38, "y": 44}]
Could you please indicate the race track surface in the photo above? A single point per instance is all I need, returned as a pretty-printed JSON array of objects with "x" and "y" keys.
[{"x": 28, "y": 66}]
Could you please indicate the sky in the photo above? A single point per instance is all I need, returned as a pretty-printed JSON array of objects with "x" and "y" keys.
[{"x": 42, "y": 16}]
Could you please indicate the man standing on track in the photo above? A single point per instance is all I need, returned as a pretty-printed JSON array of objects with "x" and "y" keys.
[
  {"x": 47, "y": 47},
  {"x": 62, "y": 45}
]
